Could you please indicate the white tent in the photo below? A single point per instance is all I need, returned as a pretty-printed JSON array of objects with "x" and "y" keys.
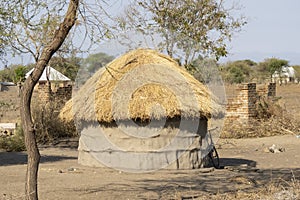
[
  {"x": 286, "y": 71},
  {"x": 51, "y": 73}
]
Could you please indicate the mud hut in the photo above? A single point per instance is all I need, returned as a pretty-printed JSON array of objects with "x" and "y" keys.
[{"x": 141, "y": 112}]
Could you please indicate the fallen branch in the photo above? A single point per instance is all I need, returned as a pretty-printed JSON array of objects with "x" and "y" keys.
[{"x": 288, "y": 131}]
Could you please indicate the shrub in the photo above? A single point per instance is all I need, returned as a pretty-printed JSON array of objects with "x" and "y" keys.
[
  {"x": 271, "y": 119},
  {"x": 48, "y": 125},
  {"x": 13, "y": 143},
  {"x": 238, "y": 71}
]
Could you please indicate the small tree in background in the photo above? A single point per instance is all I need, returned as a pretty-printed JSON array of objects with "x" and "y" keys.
[
  {"x": 20, "y": 73},
  {"x": 14, "y": 73},
  {"x": 238, "y": 71},
  {"x": 95, "y": 61},
  {"x": 67, "y": 66},
  {"x": 188, "y": 28},
  {"x": 270, "y": 65},
  {"x": 42, "y": 29}
]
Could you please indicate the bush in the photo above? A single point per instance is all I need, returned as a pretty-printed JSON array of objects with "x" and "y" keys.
[
  {"x": 238, "y": 71},
  {"x": 271, "y": 119},
  {"x": 13, "y": 143},
  {"x": 48, "y": 125}
]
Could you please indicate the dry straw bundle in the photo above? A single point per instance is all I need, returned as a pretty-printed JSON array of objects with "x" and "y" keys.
[{"x": 141, "y": 84}]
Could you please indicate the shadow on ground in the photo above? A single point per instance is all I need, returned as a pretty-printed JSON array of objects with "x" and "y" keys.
[
  {"x": 20, "y": 158},
  {"x": 194, "y": 183},
  {"x": 220, "y": 181},
  {"x": 237, "y": 162}
]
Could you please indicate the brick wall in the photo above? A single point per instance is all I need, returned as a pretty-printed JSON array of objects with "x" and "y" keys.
[
  {"x": 58, "y": 93},
  {"x": 267, "y": 90},
  {"x": 241, "y": 106},
  {"x": 10, "y": 99}
]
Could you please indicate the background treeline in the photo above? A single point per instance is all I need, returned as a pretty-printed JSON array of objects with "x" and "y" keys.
[
  {"x": 67, "y": 66},
  {"x": 249, "y": 71},
  {"x": 231, "y": 72}
]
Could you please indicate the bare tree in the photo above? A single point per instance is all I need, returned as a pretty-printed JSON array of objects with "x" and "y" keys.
[
  {"x": 42, "y": 29},
  {"x": 26, "y": 93}
]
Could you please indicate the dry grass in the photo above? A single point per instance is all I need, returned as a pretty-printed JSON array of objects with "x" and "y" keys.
[
  {"x": 126, "y": 88},
  {"x": 277, "y": 116},
  {"x": 272, "y": 120},
  {"x": 279, "y": 190},
  {"x": 290, "y": 98}
]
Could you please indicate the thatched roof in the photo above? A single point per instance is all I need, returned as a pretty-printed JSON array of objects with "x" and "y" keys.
[{"x": 142, "y": 84}]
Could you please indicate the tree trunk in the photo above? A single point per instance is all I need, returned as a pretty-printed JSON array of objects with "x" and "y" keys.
[
  {"x": 31, "y": 145},
  {"x": 31, "y": 192}
]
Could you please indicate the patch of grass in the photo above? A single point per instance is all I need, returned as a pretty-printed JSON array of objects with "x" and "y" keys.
[{"x": 13, "y": 143}]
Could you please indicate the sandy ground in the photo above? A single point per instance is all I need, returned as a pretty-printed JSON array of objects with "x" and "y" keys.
[{"x": 248, "y": 167}]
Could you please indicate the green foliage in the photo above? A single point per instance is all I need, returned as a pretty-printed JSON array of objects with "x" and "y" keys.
[
  {"x": 67, "y": 66},
  {"x": 270, "y": 65},
  {"x": 235, "y": 75},
  {"x": 90, "y": 65},
  {"x": 275, "y": 64},
  {"x": 20, "y": 72},
  {"x": 13, "y": 73},
  {"x": 247, "y": 70},
  {"x": 248, "y": 62},
  {"x": 238, "y": 71},
  {"x": 95, "y": 61},
  {"x": 186, "y": 27},
  {"x": 13, "y": 143}
]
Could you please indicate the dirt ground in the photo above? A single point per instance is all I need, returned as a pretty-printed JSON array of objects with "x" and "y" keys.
[
  {"x": 290, "y": 98},
  {"x": 248, "y": 168},
  {"x": 248, "y": 172}
]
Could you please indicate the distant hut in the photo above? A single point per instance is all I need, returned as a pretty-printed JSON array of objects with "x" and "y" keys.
[
  {"x": 52, "y": 75},
  {"x": 52, "y": 83},
  {"x": 285, "y": 74},
  {"x": 141, "y": 112}
]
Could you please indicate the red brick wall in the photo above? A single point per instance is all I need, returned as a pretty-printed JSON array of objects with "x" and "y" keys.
[
  {"x": 58, "y": 93},
  {"x": 242, "y": 106}
]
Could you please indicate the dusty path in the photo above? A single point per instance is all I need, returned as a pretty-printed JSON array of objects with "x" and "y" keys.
[{"x": 60, "y": 177}]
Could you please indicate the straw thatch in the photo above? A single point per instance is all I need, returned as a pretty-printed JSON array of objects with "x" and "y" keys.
[{"x": 141, "y": 84}]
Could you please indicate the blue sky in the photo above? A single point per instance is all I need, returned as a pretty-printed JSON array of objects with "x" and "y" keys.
[{"x": 273, "y": 30}]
